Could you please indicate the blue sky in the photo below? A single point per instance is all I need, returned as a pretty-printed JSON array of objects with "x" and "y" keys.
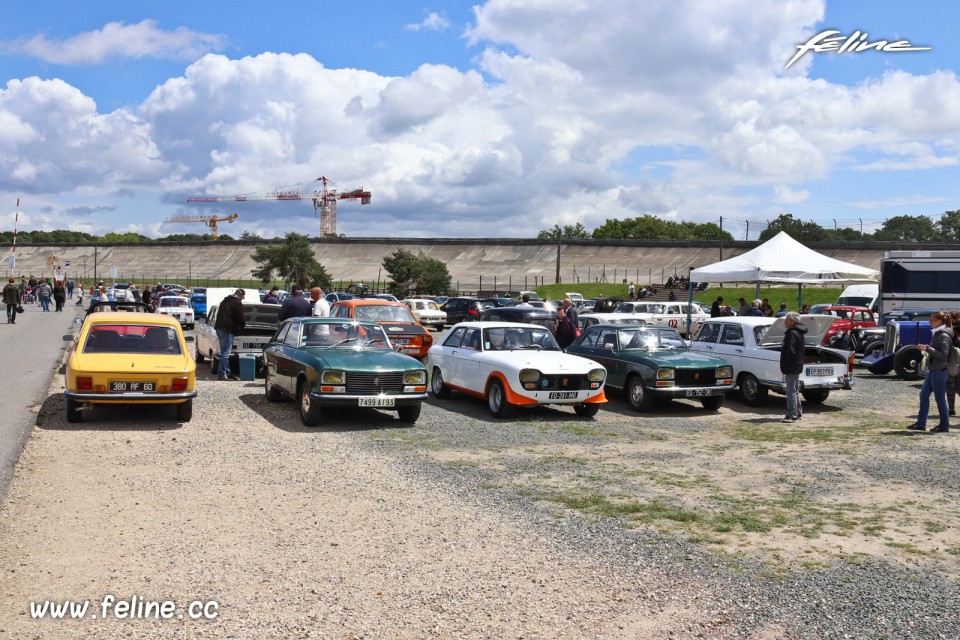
[{"x": 467, "y": 119}]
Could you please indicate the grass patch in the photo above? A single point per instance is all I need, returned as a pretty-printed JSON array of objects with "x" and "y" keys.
[{"x": 779, "y": 435}]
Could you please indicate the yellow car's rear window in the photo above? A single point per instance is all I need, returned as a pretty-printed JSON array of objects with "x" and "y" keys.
[{"x": 132, "y": 338}]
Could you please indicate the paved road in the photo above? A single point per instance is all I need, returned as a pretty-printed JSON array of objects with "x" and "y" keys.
[{"x": 28, "y": 359}]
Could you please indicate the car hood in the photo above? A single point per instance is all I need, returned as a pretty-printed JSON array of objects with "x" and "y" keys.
[
  {"x": 260, "y": 316},
  {"x": 817, "y": 327},
  {"x": 545, "y": 361},
  {"x": 365, "y": 360},
  {"x": 676, "y": 358},
  {"x": 402, "y": 328}
]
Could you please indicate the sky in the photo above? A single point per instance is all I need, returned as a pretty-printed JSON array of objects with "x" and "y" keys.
[{"x": 494, "y": 118}]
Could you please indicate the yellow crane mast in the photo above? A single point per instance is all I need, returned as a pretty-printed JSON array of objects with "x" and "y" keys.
[{"x": 210, "y": 221}]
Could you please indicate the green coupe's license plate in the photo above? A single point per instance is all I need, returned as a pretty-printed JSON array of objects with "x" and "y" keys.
[
  {"x": 376, "y": 402},
  {"x": 132, "y": 386}
]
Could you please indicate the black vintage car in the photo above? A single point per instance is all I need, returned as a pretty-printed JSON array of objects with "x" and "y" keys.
[{"x": 529, "y": 315}]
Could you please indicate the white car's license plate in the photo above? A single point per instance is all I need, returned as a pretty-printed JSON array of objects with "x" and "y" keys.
[
  {"x": 563, "y": 395},
  {"x": 252, "y": 345},
  {"x": 819, "y": 371},
  {"x": 697, "y": 392},
  {"x": 133, "y": 386},
  {"x": 376, "y": 402}
]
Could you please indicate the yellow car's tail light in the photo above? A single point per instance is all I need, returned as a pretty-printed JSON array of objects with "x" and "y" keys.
[
  {"x": 84, "y": 383},
  {"x": 180, "y": 384}
]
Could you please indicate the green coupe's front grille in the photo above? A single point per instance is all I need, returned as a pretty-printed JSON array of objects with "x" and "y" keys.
[
  {"x": 697, "y": 377},
  {"x": 374, "y": 383}
]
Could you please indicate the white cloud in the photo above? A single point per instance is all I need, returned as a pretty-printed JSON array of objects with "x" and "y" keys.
[
  {"x": 433, "y": 22},
  {"x": 119, "y": 40},
  {"x": 786, "y": 195}
]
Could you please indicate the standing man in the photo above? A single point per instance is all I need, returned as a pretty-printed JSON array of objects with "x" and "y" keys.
[
  {"x": 744, "y": 307},
  {"x": 321, "y": 308},
  {"x": 783, "y": 311},
  {"x": 633, "y": 291},
  {"x": 295, "y": 306},
  {"x": 567, "y": 327},
  {"x": 229, "y": 323},
  {"x": 715, "y": 310},
  {"x": 525, "y": 301},
  {"x": 13, "y": 298},
  {"x": 43, "y": 294},
  {"x": 70, "y": 289},
  {"x": 272, "y": 297},
  {"x": 791, "y": 363}
]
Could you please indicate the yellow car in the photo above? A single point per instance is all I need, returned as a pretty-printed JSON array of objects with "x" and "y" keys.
[{"x": 130, "y": 358}]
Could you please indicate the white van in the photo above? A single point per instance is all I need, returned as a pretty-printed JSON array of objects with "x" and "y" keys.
[{"x": 860, "y": 295}]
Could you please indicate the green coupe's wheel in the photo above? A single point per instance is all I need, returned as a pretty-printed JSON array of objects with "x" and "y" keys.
[
  {"x": 73, "y": 411},
  {"x": 712, "y": 403},
  {"x": 816, "y": 396},
  {"x": 754, "y": 394},
  {"x": 409, "y": 413},
  {"x": 637, "y": 394},
  {"x": 587, "y": 409},
  {"x": 310, "y": 410},
  {"x": 439, "y": 389},
  {"x": 272, "y": 394},
  {"x": 185, "y": 411},
  {"x": 500, "y": 407}
]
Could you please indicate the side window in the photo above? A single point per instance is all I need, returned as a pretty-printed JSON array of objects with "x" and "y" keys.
[
  {"x": 471, "y": 340},
  {"x": 590, "y": 338},
  {"x": 607, "y": 339},
  {"x": 280, "y": 334},
  {"x": 212, "y": 316},
  {"x": 453, "y": 340},
  {"x": 292, "y": 339},
  {"x": 708, "y": 332},
  {"x": 732, "y": 334}
]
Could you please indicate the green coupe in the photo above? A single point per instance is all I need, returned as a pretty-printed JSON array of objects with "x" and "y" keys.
[
  {"x": 329, "y": 362},
  {"x": 649, "y": 362}
]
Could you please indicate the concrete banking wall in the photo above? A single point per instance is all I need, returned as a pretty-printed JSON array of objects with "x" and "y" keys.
[{"x": 515, "y": 263}]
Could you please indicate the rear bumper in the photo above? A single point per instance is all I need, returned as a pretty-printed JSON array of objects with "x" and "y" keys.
[{"x": 124, "y": 398}]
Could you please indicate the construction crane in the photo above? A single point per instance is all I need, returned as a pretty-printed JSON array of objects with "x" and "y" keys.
[
  {"x": 210, "y": 221},
  {"x": 324, "y": 200}
]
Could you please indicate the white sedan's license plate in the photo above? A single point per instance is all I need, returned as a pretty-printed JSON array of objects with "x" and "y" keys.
[
  {"x": 819, "y": 371},
  {"x": 252, "y": 345},
  {"x": 563, "y": 395},
  {"x": 696, "y": 393},
  {"x": 376, "y": 402},
  {"x": 133, "y": 386}
]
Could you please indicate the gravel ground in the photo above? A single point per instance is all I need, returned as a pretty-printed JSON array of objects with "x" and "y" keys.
[{"x": 463, "y": 526}]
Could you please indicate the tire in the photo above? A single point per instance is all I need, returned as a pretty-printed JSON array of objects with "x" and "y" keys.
[
  {"x": 637, "y": 394},
  {"x": 439, "y": 389},
  {"x": 907, "y": 362},
  {"x": 409, "y": 413},
  {"x": 309, "y": 410},
  {"x": 271, "y": 392},
  {"x": 199, "y": 358},
  {"x": 73, "y": 411},
  {"x": 712, "y": 403},
  {"x": 754, "y": 394},
  {"x": 214, "y": 364},
  {"x": 497, "y": 401},
  {"x": 185, "y": 411},
  {"x": 587, "y": 409},
  {"x": 438, "y": 327},
  {"x": 874, "y": 347},
  {"x": 816, "y": 396}
]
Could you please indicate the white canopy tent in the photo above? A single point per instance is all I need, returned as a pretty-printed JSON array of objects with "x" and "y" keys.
[{"x": 781, "y": 259}]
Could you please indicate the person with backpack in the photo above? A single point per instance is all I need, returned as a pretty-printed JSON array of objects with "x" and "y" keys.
[
  {"x": 13, "y": 299},
  {"x": 953, "y": 370},
  {"x": 937, "y": 353}
]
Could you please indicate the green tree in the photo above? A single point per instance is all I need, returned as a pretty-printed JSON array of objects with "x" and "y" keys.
[
  {"x": 950, "y": 226},
  {"x": 292, "y": 260},
  {"x": 248, "y": 235},
  {"x": 577, "y": 231},
  {"x": 416, "y": 273},
  {"x": 908, "y": 229},
  {"x": 796, "y": 229}
]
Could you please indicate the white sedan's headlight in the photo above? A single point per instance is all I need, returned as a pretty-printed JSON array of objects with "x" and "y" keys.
[
  {"x": 597, "y": 375},
  {"x": 530, "y": 375}
]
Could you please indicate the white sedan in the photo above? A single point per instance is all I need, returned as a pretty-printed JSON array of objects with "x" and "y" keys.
[
  {"x": 667, "y": 314},
  {"x": 513, "y": 365},
  {"x": 752, "y": 345},
  {"x": 427, "y": 312},
  {"x": 178, "y": 308}
]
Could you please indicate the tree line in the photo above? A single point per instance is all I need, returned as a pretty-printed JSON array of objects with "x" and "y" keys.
[
  {"x": 64, "y": 236},
  {"x": 648, "y": 227}
]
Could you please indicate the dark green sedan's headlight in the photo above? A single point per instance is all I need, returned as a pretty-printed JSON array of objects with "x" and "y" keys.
[
  {"x": 334, "y": 377},
  {"x": 415, "y": 377},
  {"x": 724, "y": 372}
]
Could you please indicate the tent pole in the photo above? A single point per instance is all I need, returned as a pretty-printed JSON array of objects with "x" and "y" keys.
[
  {"x": 799, "y": 297},
  {"x": 689, "y": 303}
]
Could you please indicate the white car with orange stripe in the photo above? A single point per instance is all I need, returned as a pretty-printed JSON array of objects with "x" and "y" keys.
[
  {"x": 666, "y": 314},
  {"x": 513, "y": 365}
]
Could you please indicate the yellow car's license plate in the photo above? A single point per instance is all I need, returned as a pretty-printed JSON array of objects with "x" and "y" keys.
[{"x": 123, "y": 387}]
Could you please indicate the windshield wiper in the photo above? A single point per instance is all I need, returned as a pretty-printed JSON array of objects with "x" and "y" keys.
[
  {"x": 532, "y": 346},
  {"x": 344, "y": 341},
  {"x": 374, "y": 340}
]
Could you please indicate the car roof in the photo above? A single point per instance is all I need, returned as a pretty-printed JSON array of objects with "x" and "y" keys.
[
  {"x": 327, "y": 320},
  {"x": 746, "y": 320},
  {"x": 844, "y": 307},
  {"x": 364, "y": 302},
  {"x": 125, "y": 317},
  {"x": 489, "y": 324},
  {"x": 618, "y": 327}
]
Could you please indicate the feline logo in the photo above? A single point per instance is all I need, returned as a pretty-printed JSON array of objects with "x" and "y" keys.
[{"x": 830, "y": 40}]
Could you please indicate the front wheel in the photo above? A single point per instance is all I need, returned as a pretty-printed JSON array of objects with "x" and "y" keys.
[
  {"x": 439, "y": 389},
  {"x": 271, "y": 392},
  {"x": 907, "y": 363},
  {"x": 500, "y": 407},
  {"x": 185, "y": 411},
  {"x": 816, "y": 396},
  {"x": 712, "y": 403},
  {"x": 199, "y": 357},
  {"x": 409, "y": 413},
  {"x": 874, "y": 347},
  {"x": 73, "y": 411},
  {"x": 586, "y": 409},
  {"x": 309, "y": 408},
  {"x": 637, "y": 394},
  {"x": 754, "y": 394}
]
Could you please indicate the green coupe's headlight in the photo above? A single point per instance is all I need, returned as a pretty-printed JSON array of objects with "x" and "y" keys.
[
  {"x": 529, "y": 375},
  {"x": 724, "y": 372},
  {"x": 666, "y": 373},
  {"x": 597, "y": 375},
  {"x": 334, "y": 377},
  {"x": 415, "y": 377}
]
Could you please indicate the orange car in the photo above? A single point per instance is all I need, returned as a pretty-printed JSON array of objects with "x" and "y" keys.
[{"x": 397, "y": 320}]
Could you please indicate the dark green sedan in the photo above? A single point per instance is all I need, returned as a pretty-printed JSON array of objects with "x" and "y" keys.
[
  {"x": 329, "y": 362},
  {"x": 648, "y": 362}
]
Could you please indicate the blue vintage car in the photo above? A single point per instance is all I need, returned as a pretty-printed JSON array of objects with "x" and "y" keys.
[
  {"x": 332, "y": 362},
  {"x": 649, "y": 362},
  {"x": 199, "y": 303},
  {"x": 900, "y": 352}
]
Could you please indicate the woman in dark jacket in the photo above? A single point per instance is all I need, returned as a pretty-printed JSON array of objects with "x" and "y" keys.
[
  {"x": 936, "y": 381},
  {"x": 952, "y": 381}
]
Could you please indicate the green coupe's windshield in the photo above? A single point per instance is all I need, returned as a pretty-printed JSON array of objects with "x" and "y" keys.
[
  {"x": 344, "y": 334},
  {"x": 510, "y": 338},
  {"x": 650, "y": 338}
]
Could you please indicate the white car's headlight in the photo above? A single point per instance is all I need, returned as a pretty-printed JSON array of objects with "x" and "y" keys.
[
  {"x": 333, "y": 377},
  {"x": 529, "y": 375},
  {"x": 597, "y": 375}
]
